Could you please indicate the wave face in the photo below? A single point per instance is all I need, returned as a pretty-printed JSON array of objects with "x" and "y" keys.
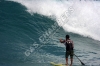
[
  {"x": 18, "y": 31},
  {"x": 30, "y": 29}
]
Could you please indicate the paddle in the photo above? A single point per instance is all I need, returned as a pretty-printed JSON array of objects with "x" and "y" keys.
[{"x": 80, "y": 60}]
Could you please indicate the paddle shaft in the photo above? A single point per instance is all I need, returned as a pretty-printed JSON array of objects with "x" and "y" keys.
[{"x": 80, "y": 60}]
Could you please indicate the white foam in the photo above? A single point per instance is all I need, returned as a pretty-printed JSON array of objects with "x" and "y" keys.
[{"x": 84, "y": 19}]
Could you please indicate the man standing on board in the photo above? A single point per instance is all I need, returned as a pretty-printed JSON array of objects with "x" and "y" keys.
[{"x": 69, "y": 48}]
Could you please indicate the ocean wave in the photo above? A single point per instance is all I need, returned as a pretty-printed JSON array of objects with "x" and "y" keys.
[{"x": 84, "y": 19}]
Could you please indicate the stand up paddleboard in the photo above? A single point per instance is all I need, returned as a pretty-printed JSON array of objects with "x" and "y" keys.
[{"x": 57, "y": 64}]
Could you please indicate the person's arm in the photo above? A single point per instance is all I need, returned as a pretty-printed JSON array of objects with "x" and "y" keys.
[{"x": 62, "y": 41}]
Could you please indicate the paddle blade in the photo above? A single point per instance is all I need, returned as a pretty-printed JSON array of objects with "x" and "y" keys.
[{"x": 82, "y": 63}]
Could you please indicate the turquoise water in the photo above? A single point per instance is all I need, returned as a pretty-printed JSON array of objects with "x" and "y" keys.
[{"x": 30, "y": 36}]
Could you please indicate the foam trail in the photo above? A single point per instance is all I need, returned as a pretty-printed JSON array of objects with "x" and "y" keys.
[{"x": 84, "y": 19}]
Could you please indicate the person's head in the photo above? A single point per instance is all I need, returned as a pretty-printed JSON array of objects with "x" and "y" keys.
[{"x": 67, "y": 36}]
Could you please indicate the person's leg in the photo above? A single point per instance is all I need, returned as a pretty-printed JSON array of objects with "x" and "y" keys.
[
  {"x": 71, "y": 57},
  {"x": 67, "y": 54},
  {"x": 66, "y": 61}
]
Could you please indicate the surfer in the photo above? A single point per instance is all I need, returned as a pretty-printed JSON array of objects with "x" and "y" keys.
[{"x": 69, "y": 48}]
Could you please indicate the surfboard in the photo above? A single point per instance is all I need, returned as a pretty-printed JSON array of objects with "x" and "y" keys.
[{"x": 57, "y": 64}]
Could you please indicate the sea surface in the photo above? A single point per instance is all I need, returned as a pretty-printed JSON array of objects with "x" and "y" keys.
[{"x": 30, "y": 31}]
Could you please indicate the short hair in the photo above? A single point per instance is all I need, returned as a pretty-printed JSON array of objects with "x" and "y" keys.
[{"x": 67, "y": 36}]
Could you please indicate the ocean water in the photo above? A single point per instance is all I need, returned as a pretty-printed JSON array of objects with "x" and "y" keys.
[{"x": 30, "y": 31}]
